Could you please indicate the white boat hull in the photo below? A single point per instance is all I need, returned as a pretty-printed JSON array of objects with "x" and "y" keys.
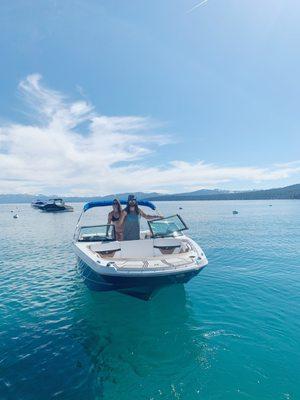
[{"x": 137, "y": 276}]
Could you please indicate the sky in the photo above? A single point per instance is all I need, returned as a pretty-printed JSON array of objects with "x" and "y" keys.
[{"x": 101, "y": 97}]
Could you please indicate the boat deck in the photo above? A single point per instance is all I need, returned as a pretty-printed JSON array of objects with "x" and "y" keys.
[
  {"x": 144, "y": 255},
  {"x": 154, "y": 263}
]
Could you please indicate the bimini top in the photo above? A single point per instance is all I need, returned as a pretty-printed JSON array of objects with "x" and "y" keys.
[{"x": 106, "y": 203}]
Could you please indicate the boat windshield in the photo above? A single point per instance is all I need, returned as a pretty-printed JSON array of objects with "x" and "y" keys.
[
  {"x": 169, "y": 226},
  {"x": 97, "y": 233},
  {"x": 58, "y": 202}
]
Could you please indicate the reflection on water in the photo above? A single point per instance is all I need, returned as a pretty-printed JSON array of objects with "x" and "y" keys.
[{"x": 129, "y": 342}]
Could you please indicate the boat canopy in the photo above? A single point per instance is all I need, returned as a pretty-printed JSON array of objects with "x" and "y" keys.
[{"x": 105, "y": 203}]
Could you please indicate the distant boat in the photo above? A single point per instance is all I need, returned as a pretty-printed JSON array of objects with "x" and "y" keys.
[
  {"x": 38, "y": 203},
  {"x": 235, "y": 212},
  {"x": 56, "y": 205},
  {"x": 15, "y": 216},
  {"x": 180, "y": 208},
  {"x": 270, "y": 205}
]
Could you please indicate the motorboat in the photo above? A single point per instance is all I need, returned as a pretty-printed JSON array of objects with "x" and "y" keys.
[
  {"x": 37, "y": 203},
  {"x": 56, "y": 205},
  {"x": 162, "y": 256}
]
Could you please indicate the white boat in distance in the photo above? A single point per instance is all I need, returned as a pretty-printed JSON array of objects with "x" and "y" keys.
[
  {"x": 162, "y": 256},
  {"x": 56, "y": 205}
]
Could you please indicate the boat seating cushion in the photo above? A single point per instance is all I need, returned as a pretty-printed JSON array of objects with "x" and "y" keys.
[
  {"x": 105, "y": 246},
  {"x": 106, "y": 250},
  {"x": 107, "y": 253},
  {"x": 137, "y": 248},
  {"x": 166, "y": 246}
]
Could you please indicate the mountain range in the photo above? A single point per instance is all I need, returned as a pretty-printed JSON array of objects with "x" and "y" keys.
[{"x": 287, "y": 192}]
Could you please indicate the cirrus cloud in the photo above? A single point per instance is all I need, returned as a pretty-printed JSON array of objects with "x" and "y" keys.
[{"x": 71, "y": 149}]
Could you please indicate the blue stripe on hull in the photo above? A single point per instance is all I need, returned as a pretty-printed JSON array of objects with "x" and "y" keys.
[{"x": 138, "y": 286}]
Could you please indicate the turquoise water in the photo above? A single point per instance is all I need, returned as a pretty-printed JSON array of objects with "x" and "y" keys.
[{"x": 232, "y": 333}]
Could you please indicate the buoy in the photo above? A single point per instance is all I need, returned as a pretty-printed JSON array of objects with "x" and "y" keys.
[{"x": 235, "y": 212}]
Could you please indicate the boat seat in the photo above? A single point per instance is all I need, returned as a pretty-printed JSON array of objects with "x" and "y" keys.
[
  {"x": 106, "y": 250},
  {"x": 167, "y": 246},
  {"x": 140, "y": 249},
  {"x": 136, "y": 248}
]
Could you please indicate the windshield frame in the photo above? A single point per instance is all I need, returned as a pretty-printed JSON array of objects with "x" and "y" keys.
[
  {"x": 108, "y": 226},
  {"x": 171, "y": 234}
]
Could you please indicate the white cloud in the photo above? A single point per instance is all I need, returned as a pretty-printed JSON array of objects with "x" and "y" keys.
[{"x": 71, "y": 149}]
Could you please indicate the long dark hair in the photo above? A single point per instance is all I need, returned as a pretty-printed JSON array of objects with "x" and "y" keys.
[
  {"x": 117, "y": 201},
  {"x": 136, "y": 207}
]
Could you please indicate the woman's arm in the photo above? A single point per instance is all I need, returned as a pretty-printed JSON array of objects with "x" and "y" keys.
[{"x": 122, "y": 216}]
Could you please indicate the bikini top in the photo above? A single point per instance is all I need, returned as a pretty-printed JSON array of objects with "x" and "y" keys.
[{"x": 114, "y": 219}]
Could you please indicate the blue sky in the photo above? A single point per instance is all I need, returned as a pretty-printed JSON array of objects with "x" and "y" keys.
[{"x": 106, "y": 96}]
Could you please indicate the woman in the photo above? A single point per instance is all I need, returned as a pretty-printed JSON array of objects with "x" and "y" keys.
[
  {"x": 131, "y": 216},
  {"x": 115, "y": 217}
]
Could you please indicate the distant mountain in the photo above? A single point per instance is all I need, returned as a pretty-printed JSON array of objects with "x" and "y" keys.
[
  {"x": 28, "y": 198},
  {"x": 287, "y": 192},
  {"x": 124, "y": 196},
  {"x": 203, "y": 192},
  {"x": 21, "y": 198}
]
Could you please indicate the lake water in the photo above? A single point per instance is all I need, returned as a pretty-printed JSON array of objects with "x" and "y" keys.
[{"x": 232, "y": 333}]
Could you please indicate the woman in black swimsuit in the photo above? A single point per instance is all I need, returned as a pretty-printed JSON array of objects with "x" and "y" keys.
[{"x": 116, "y": 218}]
